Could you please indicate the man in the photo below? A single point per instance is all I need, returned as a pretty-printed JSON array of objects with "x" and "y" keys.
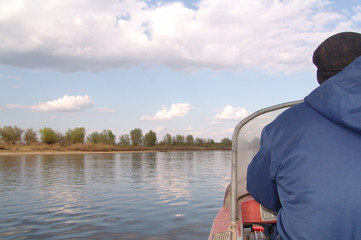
[{"x": 308, "y": 168}]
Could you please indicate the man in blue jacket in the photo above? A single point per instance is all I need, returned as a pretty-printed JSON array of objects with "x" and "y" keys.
[{"x": 308, "y": 168}]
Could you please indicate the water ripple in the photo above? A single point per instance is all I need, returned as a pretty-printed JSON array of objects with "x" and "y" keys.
[{"x": 173, "y": 195}]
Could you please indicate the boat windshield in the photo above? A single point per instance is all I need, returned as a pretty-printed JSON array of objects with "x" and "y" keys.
[{"x": 249, "y": 144}]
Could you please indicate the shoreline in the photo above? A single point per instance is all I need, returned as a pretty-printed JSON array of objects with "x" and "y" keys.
[
  {"x": 11, "y": 153},
  {"x": 65, "y": 152},
  {"x": 7, "y": 149}
]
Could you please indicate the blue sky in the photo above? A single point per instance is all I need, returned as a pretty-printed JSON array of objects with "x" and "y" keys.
[{"x": 178, "y": 67}]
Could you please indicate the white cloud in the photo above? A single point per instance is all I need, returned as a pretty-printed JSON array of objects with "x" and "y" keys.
[
  {"x": 200, "y": 134},
  {"x": 160, "y": 129},
  {"x": 74, "y": 35},
  {"x": 225, "y": 133},
  {"x": 211, "y": 123},
  {"x": 66, "y": 103},
  {"x": 2, "y": 76},
  {"x": 176, "y": 110},
  {"x": 232, "y": 113},
  {"x": 14, "y": 106}
]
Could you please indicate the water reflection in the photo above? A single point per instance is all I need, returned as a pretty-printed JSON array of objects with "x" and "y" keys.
[
  {"x": 171, "y": 180},
  {"x": 165, "y": 195},
  {"x": 151, "y": 160},
  {"x": 57, "y": 169},
  {"x": 100, "y": 165},
  {"x": 10, "y": 172}
]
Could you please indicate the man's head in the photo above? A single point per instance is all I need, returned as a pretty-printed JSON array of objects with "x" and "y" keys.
[{"x": 335, "y": 53}]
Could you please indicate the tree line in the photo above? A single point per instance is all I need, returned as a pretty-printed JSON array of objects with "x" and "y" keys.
[{"x": 14, "y": 134}]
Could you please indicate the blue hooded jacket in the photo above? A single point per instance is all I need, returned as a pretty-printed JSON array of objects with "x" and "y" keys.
[{"x": 308, "y": 168}]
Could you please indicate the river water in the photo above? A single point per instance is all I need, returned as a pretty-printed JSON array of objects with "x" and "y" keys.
[{"x": 148, "y": 196}]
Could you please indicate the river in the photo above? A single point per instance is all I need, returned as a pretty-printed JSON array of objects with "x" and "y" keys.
[{"x": 148, "y": 196}]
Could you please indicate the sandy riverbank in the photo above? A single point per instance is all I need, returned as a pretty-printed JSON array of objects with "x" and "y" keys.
[
  {"x": 4, "y": 153},
  {"x": 21, "y": 149}
]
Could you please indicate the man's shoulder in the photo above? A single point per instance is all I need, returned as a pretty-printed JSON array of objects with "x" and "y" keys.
[
  {"x": 297, "y": 117},
  {"x": 296, "y": 110},
  {"x": 294, "y": 114}
]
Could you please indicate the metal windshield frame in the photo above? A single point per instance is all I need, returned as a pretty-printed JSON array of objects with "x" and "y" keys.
[{"x": 235, "y": 157}]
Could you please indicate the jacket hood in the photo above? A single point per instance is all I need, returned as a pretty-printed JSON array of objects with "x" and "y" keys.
[{"x": 339, "y": 98}]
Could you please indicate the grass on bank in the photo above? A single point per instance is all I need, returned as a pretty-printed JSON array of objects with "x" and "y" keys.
[{"x": 90, "y": 147}]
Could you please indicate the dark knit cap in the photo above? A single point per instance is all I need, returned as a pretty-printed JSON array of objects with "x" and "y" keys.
[{"x": 335, "y": 53}]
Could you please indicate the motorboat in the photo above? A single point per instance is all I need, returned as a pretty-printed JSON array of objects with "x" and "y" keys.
[{"x": 241, "y": 217}]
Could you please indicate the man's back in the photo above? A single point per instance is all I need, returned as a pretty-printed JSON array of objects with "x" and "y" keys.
[{"x": 313, "y": 153}]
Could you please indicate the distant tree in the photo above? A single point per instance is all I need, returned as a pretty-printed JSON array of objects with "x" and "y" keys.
[
  {"x": 178, "y": 140},
  {"x": 210, "y": 141},
  {"x": 11, "y": 134},
  {"x": 136, "y": 136},
  {"x": 94, "y": 138},
  {"x": 200, "y": 141},
  {"x": 105, "y": 137},
  {"x": 108, "y": 137},
  {"x": 77, "y": 135},
  {"x": 150, "y": 138},
  {"x": 30, "y": 136},
  {"x": 48, "y": 136},
  {"x": 124, "y": 140},
  {"x": 167, "y": 139},
  {"x": 226, "y": 142},
  {"x": 189, "y": 139},
  {"x": 61, "y": 138}
]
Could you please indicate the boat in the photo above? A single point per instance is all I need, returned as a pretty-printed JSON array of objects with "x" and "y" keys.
[{"x": 241, "y": 217}]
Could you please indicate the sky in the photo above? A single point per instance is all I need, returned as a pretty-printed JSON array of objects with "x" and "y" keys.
[{"x": 177, "y": 67}]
